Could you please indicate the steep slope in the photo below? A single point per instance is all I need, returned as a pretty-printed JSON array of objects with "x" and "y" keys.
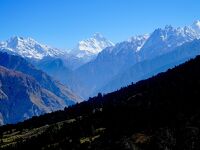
[
  {"x": 22, "y": 97},
  {"x": 56, "y": 68},
  {"x": 19, "y": 64},
  {"x": 159, "y": 113},
  {"x": 148, "y": 68}
]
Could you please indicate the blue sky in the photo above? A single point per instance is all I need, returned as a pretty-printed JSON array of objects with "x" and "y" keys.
[{"x": 62, "y": 23}]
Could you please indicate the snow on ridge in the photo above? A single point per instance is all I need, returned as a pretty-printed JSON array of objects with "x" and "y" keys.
[
  {"x": 88, "y": 49},
  {"x": 29, "y": 48},
  {"x": 94, "y": 44}
]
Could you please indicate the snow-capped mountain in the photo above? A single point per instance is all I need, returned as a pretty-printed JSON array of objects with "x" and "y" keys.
[
  {"x": 29, "y": 48},
  {"x": 96, "y": 61},
  {"x": 148, "y": 68},
  {"x": 91, "y": 47},
  {"x": 164, "y": 48},
  {"x": 162, "y": 41},
  {"x": 114, "y": 60}
]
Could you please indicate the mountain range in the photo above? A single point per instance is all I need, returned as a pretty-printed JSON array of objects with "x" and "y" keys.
[
  {"x": 151, "y": 67},
  {"x": 116, "y": 62},
  {"x": 60, "y": 78},
  {"x": 160, "y": 113}
]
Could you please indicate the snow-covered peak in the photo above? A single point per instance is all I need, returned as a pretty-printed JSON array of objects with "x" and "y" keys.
[
  {"x": 95, "y": 44},
  {"x": 29, "y": 48},
  {"x": 88, "y": 49},
  {"x": 170, "y": 34},
  {"x": 196, "y": 26}
]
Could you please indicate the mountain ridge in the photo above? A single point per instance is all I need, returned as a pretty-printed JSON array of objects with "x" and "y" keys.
[
  {"x": 93, "y": 72},
  {"x": 148, "y": 68},
  {"x": 113, "y": 61}
]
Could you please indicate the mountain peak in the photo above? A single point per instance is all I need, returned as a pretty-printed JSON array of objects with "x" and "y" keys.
[
  {"x": 92, "y": 46},
  {"x": 29, "y": 48},
  {"x": 17, "y": 41}
]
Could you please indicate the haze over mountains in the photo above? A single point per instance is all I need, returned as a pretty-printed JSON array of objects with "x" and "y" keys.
[{"x": 54, "y": 78}]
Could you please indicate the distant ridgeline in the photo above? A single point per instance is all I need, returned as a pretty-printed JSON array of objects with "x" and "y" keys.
[
  {"x": 159, "y": 113},
  {"x": 97, "y": 65}
]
